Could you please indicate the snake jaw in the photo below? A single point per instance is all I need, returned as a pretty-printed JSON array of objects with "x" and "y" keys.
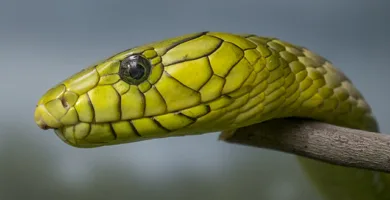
[{"x": 70, "y": 139}]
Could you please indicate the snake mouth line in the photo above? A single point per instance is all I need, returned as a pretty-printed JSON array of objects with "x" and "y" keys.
[
  {"x": 41, "y": 124},
  {"x": 94, "y": 134}
]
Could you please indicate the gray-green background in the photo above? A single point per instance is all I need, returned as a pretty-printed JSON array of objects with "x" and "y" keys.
[{"x": 44, "y": 41}]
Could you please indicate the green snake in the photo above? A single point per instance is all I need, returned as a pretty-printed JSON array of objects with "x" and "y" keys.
[{"x": 209, "y": 82}]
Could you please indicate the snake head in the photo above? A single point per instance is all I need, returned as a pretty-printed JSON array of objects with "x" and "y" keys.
[
  {"x": 145, "y": 92},
  {"x": 96, "y": 106}
]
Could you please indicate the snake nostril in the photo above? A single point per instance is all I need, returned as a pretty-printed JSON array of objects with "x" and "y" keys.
[{"x": 64, "y": 102}]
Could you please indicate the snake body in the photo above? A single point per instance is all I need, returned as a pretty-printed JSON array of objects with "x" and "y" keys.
[{"x": 207, "y": 82}]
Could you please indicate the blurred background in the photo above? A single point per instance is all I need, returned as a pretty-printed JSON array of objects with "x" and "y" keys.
[{"x": 44, "y": 41}]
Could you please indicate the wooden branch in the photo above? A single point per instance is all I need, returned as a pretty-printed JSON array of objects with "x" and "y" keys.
[{"x": 320, "y": 141}]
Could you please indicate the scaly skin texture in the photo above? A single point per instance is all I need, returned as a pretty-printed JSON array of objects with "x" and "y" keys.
[{"x": 207, "y": 82}]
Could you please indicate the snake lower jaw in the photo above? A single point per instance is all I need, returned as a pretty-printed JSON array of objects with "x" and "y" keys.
[{"x": 72, "y": 141}]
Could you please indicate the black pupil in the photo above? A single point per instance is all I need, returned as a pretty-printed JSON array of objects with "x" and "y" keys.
[{"x": 136, "y": 71}]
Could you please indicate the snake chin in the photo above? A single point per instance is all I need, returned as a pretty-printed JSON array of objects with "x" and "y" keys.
[{"x": 71, "y": 140}]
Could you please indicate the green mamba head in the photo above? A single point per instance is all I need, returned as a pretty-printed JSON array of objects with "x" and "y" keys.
[{"x": 157, "y": 90}]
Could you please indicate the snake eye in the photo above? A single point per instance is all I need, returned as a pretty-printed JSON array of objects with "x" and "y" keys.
[{"x": 134, "y": 69}]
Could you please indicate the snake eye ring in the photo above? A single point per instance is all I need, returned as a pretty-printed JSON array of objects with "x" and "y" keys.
[{"x": 134, "y": 69}]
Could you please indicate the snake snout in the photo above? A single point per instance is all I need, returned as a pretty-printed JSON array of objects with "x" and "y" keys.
[
  {"x": 44, "y": 119},
  {"x": 55, "y": 109}
]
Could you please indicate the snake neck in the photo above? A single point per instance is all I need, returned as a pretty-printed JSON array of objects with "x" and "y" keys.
[{"x": 276, "y": 79}]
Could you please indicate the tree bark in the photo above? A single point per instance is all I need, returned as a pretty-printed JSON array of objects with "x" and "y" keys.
[{"x": 317, "y": 140}]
